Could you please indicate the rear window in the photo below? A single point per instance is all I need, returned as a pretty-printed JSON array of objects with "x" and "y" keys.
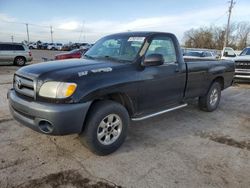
[{"x": 18, "y": 47}]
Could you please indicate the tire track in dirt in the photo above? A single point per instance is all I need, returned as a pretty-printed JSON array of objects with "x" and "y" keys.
[{"x": 227, "y": 140}]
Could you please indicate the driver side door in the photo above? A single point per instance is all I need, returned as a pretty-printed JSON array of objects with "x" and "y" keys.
[{"x": 162, "y": 85}]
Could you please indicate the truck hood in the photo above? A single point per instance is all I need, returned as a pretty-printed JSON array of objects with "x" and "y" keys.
[
  {"x": 67, "y": 68},
  {"x": 242, "y": 58}
]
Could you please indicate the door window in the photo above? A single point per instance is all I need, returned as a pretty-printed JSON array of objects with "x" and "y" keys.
[
  {"x": 164, "y": 46},
  {"x": 6, "y": 47}
]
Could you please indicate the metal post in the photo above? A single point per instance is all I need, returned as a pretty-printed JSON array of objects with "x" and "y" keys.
[
  {"x": 228, "y": 22},
  {"x": 28, "y": 35},
  {"x": 51, "y": 34}
]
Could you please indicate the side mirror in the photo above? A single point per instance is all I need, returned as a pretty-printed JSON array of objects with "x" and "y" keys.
[
  {"x": 153, "y": 60},
  {"x": 225, "y": 54}
]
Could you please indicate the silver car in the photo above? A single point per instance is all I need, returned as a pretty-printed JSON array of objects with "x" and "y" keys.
[{"x": 14, "y": 53}]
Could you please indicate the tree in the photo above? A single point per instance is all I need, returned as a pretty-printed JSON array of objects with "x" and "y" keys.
[
  {"x": 243, "y": 31},
  {"x": 199, "y": 38},
  {"x": 213, "y": 37}
]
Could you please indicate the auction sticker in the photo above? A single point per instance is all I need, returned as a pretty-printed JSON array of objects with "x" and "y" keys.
[{"x": 136, "y": 39}]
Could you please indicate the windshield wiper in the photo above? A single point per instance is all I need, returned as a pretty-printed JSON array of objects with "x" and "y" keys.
[
  {"x": 88, "y": 56},
  {"x": 113, "y": 58}
]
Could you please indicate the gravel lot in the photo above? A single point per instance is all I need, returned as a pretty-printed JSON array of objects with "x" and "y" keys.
[{"x": 184, "y": 148}]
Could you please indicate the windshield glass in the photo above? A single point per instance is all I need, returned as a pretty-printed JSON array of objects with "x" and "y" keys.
[
  {"x": 121, "y": 48},
  {"x": 246, "y": 51}
]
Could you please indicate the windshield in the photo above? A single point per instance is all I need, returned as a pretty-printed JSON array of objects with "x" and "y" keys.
[
  {"x": 118, "y": 47},
  {"x": 246, "y": 51}
]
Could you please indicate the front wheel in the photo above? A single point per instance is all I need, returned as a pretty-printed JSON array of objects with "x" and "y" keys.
[
  {"x": 106, "y": 127},
  {"x": 211, "y": 100}
]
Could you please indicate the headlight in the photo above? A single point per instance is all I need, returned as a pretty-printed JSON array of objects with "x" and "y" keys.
[{"x": 57, "y": 89}]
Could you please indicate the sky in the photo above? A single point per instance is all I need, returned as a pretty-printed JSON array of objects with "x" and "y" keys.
[{"x": 88, "y": 20}]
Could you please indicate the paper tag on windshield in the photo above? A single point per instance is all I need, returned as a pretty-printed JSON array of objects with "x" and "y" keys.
[{"x": 136, "y": 39}]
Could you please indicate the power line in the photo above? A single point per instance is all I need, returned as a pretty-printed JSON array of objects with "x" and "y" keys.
[{"x": 217, "y": 19}]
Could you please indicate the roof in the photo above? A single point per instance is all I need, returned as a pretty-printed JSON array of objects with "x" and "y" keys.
[{"x": 140, "y": 33}]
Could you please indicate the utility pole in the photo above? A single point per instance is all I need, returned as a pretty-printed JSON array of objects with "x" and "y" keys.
[
  {"x": 51, "y": 34},
  {"x": 232, "y": 3},
  {"x": 28, "y": 35},
  {"x": 12, "y": 38}
]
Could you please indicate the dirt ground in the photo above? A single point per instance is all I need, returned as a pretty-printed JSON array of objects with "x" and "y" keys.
[{"x": 184, "y": 148}]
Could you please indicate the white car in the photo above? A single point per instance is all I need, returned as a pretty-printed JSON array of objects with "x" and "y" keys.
[
  {"x": 55, "y": 46},
  {"x": 32, "y": 45},
  {"x": 199, "y": 55}
]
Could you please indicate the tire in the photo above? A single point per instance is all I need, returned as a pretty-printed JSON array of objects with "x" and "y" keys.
[
  {"x": 110, "y": 120},
  {"x": 19, "y": 61},
  {"x": 53, "y": 48},
  {"x": 211, "y": 100}
]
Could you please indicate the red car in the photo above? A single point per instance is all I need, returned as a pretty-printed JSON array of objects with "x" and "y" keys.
[{"x": 77, "y": 53}]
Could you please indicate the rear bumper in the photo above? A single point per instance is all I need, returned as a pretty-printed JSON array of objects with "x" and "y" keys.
[
  {"x": 47, "y": 118},
  {"x": 29, "y": 59}
]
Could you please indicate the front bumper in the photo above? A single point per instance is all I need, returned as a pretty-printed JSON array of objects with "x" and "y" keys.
[
  {"x": 53, "y": 119},
  {"x": 242, "y": 74}
]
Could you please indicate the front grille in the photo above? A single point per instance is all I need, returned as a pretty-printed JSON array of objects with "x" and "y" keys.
[
  {"x": 242, "y": 64},
  {"x": 24, "y": 86}
]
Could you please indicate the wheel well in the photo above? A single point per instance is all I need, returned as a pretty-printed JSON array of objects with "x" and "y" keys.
[
  {"x": 120, "y": 98},
  {"x": 21, "y": 57},
  {"x": 220, "y": 80}
]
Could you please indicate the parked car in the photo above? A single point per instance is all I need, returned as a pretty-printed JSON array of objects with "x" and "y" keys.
[
  {"x": 242, "y": 65},
  {"x": 77, "y": 53},
  {"x": 54, "y": 46},
  {"x": 44, "y": 46},
  {"x": 72, "y": 46},
  {"x": 32, "y": 45},
  {"x": 14, "y": 53},
  {"x": 126, "y": 76},
  {"x": 199, "y": 55}
]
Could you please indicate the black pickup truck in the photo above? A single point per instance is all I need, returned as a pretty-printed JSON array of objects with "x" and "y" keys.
[{"x": 123, "y": 77}]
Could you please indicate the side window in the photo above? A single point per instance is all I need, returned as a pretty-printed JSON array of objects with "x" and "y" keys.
[
  {"x": 164, "y": 46},
  {"x": 208, "y": 54},
  {"x": 6, "y": 47},
  {"x": 228, "y": 52}
]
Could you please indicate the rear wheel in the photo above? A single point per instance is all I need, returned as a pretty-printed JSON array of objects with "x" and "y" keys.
[
  {"x": 20, "y": 61},
  {"x": 211, "y": 100},
  {"x": 105, "y": 128}
]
